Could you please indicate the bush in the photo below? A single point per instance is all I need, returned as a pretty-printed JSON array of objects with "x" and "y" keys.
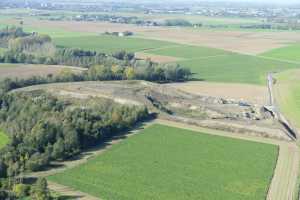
[{"x": 21, "y": 190}]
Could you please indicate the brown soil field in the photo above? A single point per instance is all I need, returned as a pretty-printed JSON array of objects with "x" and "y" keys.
[
  {"x": 247, "y": 42},
  {"x": 156, "y": 58},
  {"x": 244, "y": 92},
  {"x": 26, "y": 71}
]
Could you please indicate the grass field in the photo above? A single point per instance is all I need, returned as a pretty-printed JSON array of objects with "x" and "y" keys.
[
  {"x": 187, "y": 51},
  {"x": 3, "y": 139},
  {"x": 164, "y": 162},
  {"x": 287, "y": 91},
  {"x": 110, "y": 44},
  {"x": 57, "y": 32},
  {"x": 217, "y": 65},
  {"x": 290, "y": 53}
]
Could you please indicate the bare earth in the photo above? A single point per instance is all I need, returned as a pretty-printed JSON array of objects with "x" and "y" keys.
[
  {"x": 244, "y": 92},
  {"x": 247, "y": 42},
  {"x": 27, "y": 71}
]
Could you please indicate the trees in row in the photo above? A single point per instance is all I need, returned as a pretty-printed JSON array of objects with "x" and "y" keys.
[
  {"x": 63, "y": 56},
  {"x": 10, "y": 33},
  {"x": 177, "y": 22},
  {"x": 147, "y": 71},
  {"x": 33, "y": 44}
]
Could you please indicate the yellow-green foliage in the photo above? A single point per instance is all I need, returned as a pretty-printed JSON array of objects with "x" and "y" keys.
[{"x": 3, "y": 139}]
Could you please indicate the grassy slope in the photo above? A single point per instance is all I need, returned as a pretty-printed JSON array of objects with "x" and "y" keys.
[
  {"x": 170, "y": 163},
  {"x": 287, "y": 91},
  {"x": 3, "y": 139},
  {"x": 110, "y": 43},
  {"x": 290, "y": 53}
]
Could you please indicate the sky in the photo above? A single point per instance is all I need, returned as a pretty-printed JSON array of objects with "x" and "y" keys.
[
  {"x": 256, "y": 1},
  {"x": 250, "y": 1}
]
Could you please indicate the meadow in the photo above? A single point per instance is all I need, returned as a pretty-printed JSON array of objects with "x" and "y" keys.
[
  {"x": 163, "y": 162},
  {"x": 289, "y": 53},
  {"x": 3, "y": 139},
  {"x": 109, "y": 44},
  {"x": 287, "y": 91}
]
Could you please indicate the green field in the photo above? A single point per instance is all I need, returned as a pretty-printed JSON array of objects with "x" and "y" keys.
[
  {"x": 235, "y": 68},
  {"x": 109, "y": 44},
  {"x": 3, "y": 139},
  {"x": 287, "y": 91},
  {"x": 222, "y": 66},
  {"x": 290, "y": 53},
  {"x": 164, "y": 162},
  {"x": 187, "y": 51},
  {"x": 57, "y": 32}
]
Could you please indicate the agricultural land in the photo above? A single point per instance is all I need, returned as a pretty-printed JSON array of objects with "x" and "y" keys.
[
  {"x": 149, "y": 161},
  {"x": 186, "y": 106}
]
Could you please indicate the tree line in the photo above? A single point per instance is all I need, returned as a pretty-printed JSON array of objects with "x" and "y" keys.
[
  {"x": 39, "y": 49},
  {"x": 44, "y": 128},
  {"x": 10, "y": 33}
]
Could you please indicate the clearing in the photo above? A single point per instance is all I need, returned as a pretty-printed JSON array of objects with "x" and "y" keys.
[
  {"x": 28, "y": 70},
  {"x": 163, "y": 162},
  {"x": 244, "y": 92}
]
